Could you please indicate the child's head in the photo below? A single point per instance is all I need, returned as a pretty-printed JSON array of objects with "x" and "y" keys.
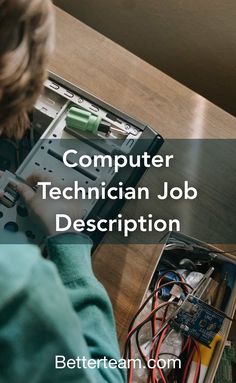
[{"x": 26, "y": 39}]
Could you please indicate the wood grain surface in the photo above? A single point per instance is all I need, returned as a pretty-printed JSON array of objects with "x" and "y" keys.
[{"x": 98, "y": 65}]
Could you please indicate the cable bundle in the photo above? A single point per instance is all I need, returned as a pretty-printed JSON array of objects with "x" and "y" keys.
[{"x": 158, "y": 320}]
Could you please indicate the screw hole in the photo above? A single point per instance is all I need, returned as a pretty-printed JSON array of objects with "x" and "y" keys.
[
  {"x": 11, "y": 226},
  {"x": 22, "y": 211},
  {"x": 30, "y": 234}
]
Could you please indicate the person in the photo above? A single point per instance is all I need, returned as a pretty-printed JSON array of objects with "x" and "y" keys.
[{"x": 51, "y": 310}]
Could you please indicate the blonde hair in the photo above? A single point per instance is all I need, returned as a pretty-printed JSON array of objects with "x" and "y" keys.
[{"x": 26, "y": 40}]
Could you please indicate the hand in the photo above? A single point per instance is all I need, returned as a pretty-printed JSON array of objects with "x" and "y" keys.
[{"x": 44, "y": 211}]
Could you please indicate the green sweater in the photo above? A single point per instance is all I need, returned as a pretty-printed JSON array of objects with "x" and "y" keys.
[{"x": 53, "y": 307}]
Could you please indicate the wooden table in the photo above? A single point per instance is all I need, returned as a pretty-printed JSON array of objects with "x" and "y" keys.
[{"x": 95, "y": 63}]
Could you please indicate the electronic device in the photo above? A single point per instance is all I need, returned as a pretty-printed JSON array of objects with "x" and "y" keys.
[
  {"x": 198, "y": 319},
  {"x": 51, "y": 135},
  {"x": 186, "y": 313}
]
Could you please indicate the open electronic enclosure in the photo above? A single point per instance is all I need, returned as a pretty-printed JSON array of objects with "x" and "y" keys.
[
  {"x": 230, "y": 299},
  {"x": 49, "y": 139}
]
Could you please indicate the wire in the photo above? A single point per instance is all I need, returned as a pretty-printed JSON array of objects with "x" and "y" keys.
[
  {"x": 147, "y": 319},
  {"x": 155, "y": 297},
  {"x": 198, "y": 362},
  {"x": 130, "y": 372},
  {"x": 137, "y": 328},
  {"x": 187, "y": 344},
  {"x": 187, "y": 366},
  {"x": 159, "y": 336},
  {"x": 151, "y": 295},
  {"x": 222, "y": 252},
  {"x": 128, "y": 347},
  {"x": 229, "y": 318},
  {"x": 154, "y": 305},
  {"x": 158, "y": 284},
  {"x": 144, "y": 358},
  {"x": 169, "y": 353},
  {"x": 156, "y": 356}
]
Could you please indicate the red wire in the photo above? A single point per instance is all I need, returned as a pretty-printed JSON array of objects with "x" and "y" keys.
[
  {"x": 162, "y": 337},
  {"x": 190, "y": 344},
  {"x": 196, "y": 347},
  {"x": 155, "y": 297},
  {"x": 154, "y": 319},
  {"x": 142, "y": 354},
  {"x": 155, "y": 300},
  {"x": 162, "y": 323},
  {"x": 149, "y": 315},
  {"x": 131, "y": 368},
  {"x": 133, "y": 329},
  {"x": 186, "y": 344},
  {"x": 198, "y": 362},
  {"x": 187, "y": 366}
]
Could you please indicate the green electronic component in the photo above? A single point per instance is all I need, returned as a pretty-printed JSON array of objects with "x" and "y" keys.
[
  {"x": 224, "y": 372},
  {"x": 82, "y": 120}
]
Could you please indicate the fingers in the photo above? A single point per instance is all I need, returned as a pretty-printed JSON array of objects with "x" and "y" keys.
[
  {"x": 26, "y": 192},
  {"x": 36, "y": 177},
  {"x": 26, "y": 189}
]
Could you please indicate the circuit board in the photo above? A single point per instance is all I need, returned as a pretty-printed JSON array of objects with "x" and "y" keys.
[{"x": 198, "y": 319}]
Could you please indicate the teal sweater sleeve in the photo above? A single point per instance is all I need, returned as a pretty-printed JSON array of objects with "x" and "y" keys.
[{"x": 51, "y": 308}]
